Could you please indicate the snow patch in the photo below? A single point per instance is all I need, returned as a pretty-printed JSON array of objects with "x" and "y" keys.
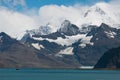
[
  {"x": 39, "y": 39},
  {"x": 91, "y": 43},
  {"x": 110, "y": 34},
  {"x": 86, "y": 67},
  {"x": 86, "y": 40},
  {"x": 1, "y": 38},
  {"x": 67, "y": 51},
  {"x": 97, "y": 38},
  {"x": 58, "y": 55},
  {"x": 37, "y": 46},
  {"x": 82, "y": 45}
]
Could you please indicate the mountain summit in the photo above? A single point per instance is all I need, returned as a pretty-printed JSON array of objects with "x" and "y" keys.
[
  {"x": 100, "y": 13},
  {"x": 68, "y": 28}
]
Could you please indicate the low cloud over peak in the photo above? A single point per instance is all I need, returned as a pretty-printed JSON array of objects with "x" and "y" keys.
[{"x": 14, "y": 22}]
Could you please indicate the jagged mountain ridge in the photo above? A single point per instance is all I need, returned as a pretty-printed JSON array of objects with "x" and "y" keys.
[
  {"x": 59, "y": 50},
  {"x": 84, "y": 47},
  {"x": 94, "y": 15}
]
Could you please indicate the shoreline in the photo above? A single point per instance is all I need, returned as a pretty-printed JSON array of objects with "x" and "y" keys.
[{"x": 64, "y": 68}]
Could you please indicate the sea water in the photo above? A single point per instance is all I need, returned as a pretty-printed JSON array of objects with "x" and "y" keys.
[{"x": 58, "y": 74}]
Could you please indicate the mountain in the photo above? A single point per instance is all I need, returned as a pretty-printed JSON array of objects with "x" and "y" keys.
[
  {"x": 100, "y": 13},
  {"x": 14, "y": 54},
  {"x": 73, "y": 45},
  {"x": 110, "y": 59},
  {"x": 70, "y": 45},
  {"x": 61, "y": 49}
]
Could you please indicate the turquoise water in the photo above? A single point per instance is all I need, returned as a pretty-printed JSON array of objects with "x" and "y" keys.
[{"x": 44, "y": 74}]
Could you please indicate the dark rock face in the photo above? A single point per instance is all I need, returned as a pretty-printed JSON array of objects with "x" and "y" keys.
[
  {"x": 110, "y": 59},
  {"x": 51, "y": 36},
  {"x": 68, "y": 29}
]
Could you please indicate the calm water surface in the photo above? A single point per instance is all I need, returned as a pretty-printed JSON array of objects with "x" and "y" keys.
[{"x": 44, "y": 74}]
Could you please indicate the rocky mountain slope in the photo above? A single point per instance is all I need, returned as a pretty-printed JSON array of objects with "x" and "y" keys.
[
  {"x": 14, "y": 54},
  {"x": 111, "y": 59}
]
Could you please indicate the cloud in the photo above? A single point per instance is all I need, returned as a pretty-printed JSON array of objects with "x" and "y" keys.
[
  {"x": 14, "y": 22},
  {"x": 55, "y": 14},
  {"x": 115, "y": 2}
]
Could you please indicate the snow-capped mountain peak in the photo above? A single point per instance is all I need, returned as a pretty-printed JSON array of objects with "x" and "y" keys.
[
  {"x": 68, "y": 28},
  {"x": 45, "y": 29},
  {"x": 42, "y": 30},
  {"x": 65, "y": 23},
  {"x": 64, "y": 26},
  {"x": 95, "y": 9},
  {"x": 100, "y": 13}
]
